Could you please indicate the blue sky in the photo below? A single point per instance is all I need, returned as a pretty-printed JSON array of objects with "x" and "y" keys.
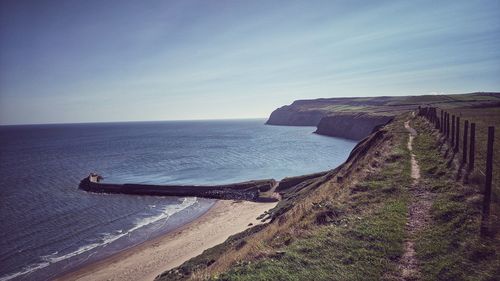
[{"x": 92, "y": 61}]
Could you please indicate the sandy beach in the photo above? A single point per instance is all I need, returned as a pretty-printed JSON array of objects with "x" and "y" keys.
[{"x": 149, "y": 259}]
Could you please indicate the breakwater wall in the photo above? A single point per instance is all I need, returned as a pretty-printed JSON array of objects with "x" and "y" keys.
[{"x": 257, "y": 190}]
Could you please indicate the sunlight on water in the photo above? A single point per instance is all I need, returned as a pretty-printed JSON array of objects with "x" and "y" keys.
[{"x": 53, "y": 226}]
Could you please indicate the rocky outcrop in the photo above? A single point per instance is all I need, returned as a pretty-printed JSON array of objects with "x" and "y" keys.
[{"x": 354, "y": 126}]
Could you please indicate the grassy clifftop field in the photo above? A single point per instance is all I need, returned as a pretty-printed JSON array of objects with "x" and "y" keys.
[
  {"x": 372, "y": 218},
  {"x": 310, "y": 112}
]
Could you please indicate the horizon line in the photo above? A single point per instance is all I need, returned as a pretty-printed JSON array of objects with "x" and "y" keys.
[
  {"x": 130, "y": 121},
  {"x": 246, "y": 118}
]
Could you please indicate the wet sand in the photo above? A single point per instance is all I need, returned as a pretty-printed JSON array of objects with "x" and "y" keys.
[{"x": 151, "y": 258}]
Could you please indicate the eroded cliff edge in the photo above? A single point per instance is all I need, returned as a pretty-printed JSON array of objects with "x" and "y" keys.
[
  {"x": 344, "y": 118},
  {"x": 291, "y": 116}
]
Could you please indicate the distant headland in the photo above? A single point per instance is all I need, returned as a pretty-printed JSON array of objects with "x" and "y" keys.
[{"x": 356, "y": 118}]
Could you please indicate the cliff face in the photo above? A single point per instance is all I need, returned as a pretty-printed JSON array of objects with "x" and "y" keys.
[
  {"x": 354, "y": 126},
  {"x": 330, "y": 116},
  {"x": 349, "y": 125},
  {"x": 292, "y": 116},
  {"x": 356, "y": 118}
]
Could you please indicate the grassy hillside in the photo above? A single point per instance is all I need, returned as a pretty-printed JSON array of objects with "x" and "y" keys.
[
  {"x": 364, "y": 215},
  {"x": 396, "y": 104},
  {"x": 351, "y": 223}
]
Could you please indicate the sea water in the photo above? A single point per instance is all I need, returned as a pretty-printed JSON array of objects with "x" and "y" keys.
[{"x": 48, "y": 226}]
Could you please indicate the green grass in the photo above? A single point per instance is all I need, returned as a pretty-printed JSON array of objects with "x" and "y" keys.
[
  {"x": 360, "y": 235},
  {"x": 451, "y": 248},
  {"x": 361, "y": 240},
  {"x": 395, "y": 103},
  {"x": 483, "y": 117},
  {"x": 355, "y": 249}
]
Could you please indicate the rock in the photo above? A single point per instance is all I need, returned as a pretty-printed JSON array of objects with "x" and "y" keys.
[
  {"x": 354, "y": 126},
  {"x": 291, "y": 115}
]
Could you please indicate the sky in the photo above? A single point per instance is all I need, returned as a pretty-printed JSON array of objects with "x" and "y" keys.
[{"x": 96, "y": 61}]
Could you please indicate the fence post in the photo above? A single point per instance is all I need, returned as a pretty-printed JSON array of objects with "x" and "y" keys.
[
  {"x": 447, "y": 125},
  {"x": 472, "y": 147},
  {"x": 441, "y": 122},
  {"x": 464, "y": 147},
  {"x": 452, "y": 130},
  {"x": 457, "y": 134},
  {"x": 434, "y": 116},
  {"x": 487, "y": 184}
]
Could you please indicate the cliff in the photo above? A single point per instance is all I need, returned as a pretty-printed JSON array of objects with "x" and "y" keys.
[
  {"x": 354, "y": 126},
  {"x": 332, "y": 122},
  {"x": 352, "y": 223},
  {"x": 356, "y": 118},
  {"x": 292, "y": 116}
]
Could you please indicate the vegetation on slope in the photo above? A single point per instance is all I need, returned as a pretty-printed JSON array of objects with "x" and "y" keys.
[
  {"x": 346, "y": 230},
  {"x": 349, "y": 223}
]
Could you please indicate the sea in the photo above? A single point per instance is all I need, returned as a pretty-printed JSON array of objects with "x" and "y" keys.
[{"x": 49, "y": 227}]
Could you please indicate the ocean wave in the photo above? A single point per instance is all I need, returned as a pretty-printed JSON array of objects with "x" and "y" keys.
[{"x": 107, "y": 238}]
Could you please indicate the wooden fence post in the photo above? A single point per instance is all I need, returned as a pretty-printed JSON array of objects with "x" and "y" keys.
[
  {"x": 464, "y": 147},
  {"x": 452, "y": 130},
  {"x": 447, "y": 125},
  {"x": 457, "y": 134},
  {"x": 472, "y": 147},
  {"x": 436, "y": 119},
  {"x": 487, "y": 184},
  {"x": 441, "y": 122},
  {"x": 444, "y": 125}
]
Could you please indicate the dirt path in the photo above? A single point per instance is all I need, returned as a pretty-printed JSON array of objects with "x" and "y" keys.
[{"x": 418, "y": 215}]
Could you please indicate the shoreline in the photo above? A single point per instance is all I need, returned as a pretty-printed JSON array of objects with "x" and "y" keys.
[{"x": 147, "y": 260}]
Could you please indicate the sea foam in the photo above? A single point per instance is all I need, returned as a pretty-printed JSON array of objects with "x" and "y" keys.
[{"x": 107, "y": 238}]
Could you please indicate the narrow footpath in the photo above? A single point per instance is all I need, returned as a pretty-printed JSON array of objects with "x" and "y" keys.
[{"x": 418, "y": 215}]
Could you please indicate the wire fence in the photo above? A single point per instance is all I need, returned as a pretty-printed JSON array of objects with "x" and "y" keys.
[{"x": 449, "y": 126}]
